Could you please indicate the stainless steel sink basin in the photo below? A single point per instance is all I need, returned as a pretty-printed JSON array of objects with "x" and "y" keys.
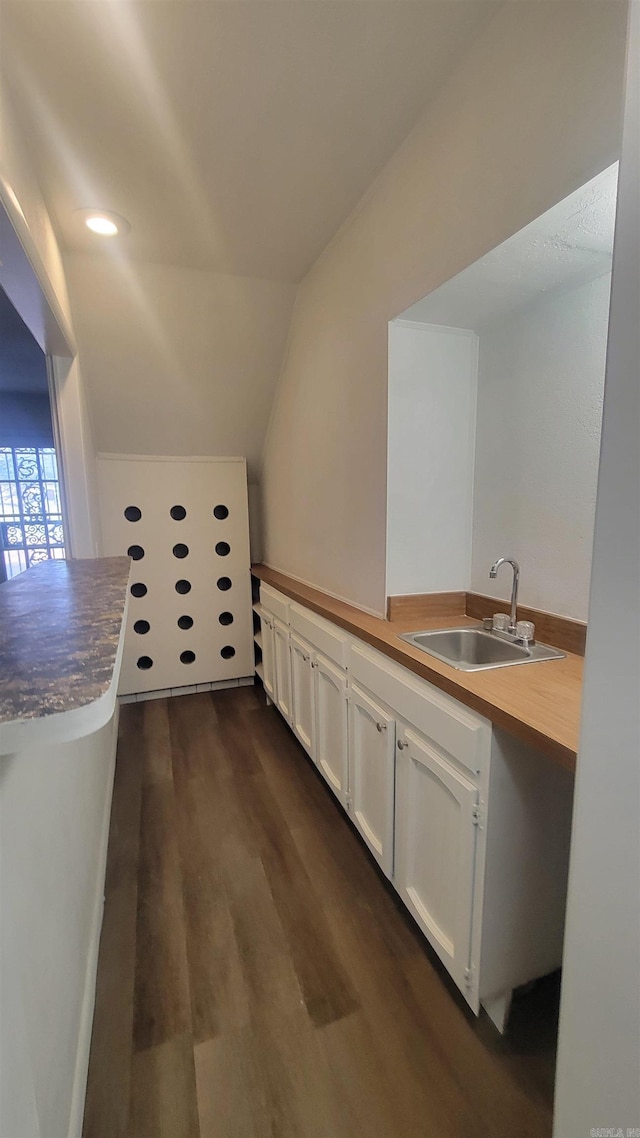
[{"x": 473, "y": 649}]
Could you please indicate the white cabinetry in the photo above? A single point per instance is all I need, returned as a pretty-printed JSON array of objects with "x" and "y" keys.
[
  {"x": 331, "y": 727},
  {"x": 371, "y": 774},
  {"x": 268, "y": 674},
  {"x": 282, "y": 658},
  {"x": 482, "y": 825},
  {"x": 276, "y": 663},
  {"x": 303, "y": 703},
  {"x": 436, "y": 825},
  {"x": 470, "y": 825}
]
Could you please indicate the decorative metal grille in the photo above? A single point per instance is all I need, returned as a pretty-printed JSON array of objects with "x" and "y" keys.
[{"x": 30, "y": 510}]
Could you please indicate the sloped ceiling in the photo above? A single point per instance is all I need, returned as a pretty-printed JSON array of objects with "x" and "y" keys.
[
  {"x": 233, "y": 136},
  {"x": 568, "y": 245}
]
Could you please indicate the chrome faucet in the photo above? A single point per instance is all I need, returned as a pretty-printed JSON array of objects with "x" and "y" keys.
[{"x": 493, "y": 572}]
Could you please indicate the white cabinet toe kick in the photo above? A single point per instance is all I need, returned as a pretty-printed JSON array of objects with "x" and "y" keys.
[{"x": 469, "y": 824}]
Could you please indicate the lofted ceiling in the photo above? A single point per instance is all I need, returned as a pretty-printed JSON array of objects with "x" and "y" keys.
[{"x": 234, "y": 136}]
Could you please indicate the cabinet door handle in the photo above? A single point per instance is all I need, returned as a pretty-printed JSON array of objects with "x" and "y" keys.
[
  {"x": 306, "y": 659},
  {"x": 381, "y": 726},
  {"x": 401, "y": 745}
]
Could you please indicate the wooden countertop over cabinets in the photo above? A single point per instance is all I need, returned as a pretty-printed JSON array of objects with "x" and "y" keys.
[{"x": 538, "y": 703}]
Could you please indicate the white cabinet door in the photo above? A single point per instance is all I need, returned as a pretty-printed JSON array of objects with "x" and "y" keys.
[
  {"x": 436, "y": 832},
  {"x": 302, "y": 692},
  {"x": 331, "y": 737},
  {"x": 268, "y": 655},
  {"x": 371, "y": 774},
  {"x": 282, "y": 659}
]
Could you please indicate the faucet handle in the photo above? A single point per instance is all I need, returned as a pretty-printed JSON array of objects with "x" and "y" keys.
[
  {"x": 501, "y": 621},
  {"x": 525, "y": 631}
]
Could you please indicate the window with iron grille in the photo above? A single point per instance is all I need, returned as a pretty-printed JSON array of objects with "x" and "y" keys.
[{"x": 30, "y": 507}]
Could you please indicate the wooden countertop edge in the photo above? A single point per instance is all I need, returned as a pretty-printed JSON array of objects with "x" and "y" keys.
[{"x": 363, "y": 626}]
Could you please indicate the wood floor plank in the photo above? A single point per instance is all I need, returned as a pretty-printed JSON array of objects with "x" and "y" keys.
[
  {"x": 157, "y": 741},
  {"x": 162, "y": 1001},
  {"x": 216, "y": 983},
  {"x": 163, "y": 1100},
  {"x": 276, "y": 988},
  {"x": 107, "y": 1098}
]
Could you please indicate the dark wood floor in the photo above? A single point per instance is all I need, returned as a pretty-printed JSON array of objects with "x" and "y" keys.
[{"x": 258, "y": 978}]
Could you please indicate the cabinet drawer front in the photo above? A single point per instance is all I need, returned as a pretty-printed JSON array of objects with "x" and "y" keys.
[
  {"x": 326, "y": 637},
  {"x": 275, "y": 602},
  {"x": 454, "y": 728}
]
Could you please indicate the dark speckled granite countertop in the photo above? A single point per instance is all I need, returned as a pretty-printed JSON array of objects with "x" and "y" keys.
[{"x": 60, "y": 626}]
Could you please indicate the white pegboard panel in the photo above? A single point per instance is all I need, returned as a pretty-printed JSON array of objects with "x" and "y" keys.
[{"x": 210, "y": 527}]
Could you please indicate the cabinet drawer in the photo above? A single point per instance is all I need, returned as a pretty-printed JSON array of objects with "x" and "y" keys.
[
  {"x": 275, "y": 602},
  {"x": 324, "y": 636},
  {"x": 458, "y": 731}
]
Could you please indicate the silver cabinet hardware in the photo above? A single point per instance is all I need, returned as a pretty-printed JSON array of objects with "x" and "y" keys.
[{"x": 381, "y": 726}]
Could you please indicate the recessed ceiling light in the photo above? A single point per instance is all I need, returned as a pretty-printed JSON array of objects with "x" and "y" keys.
[
  {"x": 102, "y": 225},
  {"x": 104, "y": 222}
]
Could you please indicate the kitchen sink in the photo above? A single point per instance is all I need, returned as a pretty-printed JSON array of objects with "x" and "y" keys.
[{"x": 473, "y": 649}]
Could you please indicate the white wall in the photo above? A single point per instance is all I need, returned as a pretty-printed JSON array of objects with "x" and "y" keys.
[
  {"x": 540, "y": 387},
  {"x": 177, "y": 361},
  {"x": 531, "y": 114},
  {"x": 597, "y": 1081},
  {"x": 432, "y": 419}
]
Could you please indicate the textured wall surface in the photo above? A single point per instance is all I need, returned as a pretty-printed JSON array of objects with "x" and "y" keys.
[{"x": 540, "y": 389}]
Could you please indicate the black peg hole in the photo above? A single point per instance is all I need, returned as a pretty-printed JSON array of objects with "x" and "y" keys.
[
  {"x": 223, "y": 548},
  {"x": 226, "y": 618},
  {"x": 227, "y": 652},
  {"x": 220, "y": 512},
  {"x": 183, "y": 586},
  {"x": 181, "y": 550},
  {"x": 185, "y": 622},
  {"x": 144, "y": 663},
  {"x": 187, "y": 657},
  {"x": 138, "y": 589},
  {"x": 224, "y": 583},
  {"x": 133, "y": 513},
  {"x": 141, "y": 627},
  {"x": 178, "y": 513},
  {"x": 136, "y": 552}
]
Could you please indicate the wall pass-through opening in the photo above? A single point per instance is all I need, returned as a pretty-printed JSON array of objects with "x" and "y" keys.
[{"x": 31, "y": 516}]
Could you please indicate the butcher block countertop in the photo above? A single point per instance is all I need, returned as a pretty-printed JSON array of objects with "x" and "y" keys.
[
  {"x": 60, "y": 645},
  {"x": 538, "y": 703}
]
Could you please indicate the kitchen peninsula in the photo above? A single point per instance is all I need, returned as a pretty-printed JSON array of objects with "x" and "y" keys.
[{"x": 61, "y": 633}]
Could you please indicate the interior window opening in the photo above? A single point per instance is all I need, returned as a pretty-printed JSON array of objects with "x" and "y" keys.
[{"x": 31, "y": 521}]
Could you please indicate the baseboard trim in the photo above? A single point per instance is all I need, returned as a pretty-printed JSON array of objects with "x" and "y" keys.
[{"x": 188, "y": 689}]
